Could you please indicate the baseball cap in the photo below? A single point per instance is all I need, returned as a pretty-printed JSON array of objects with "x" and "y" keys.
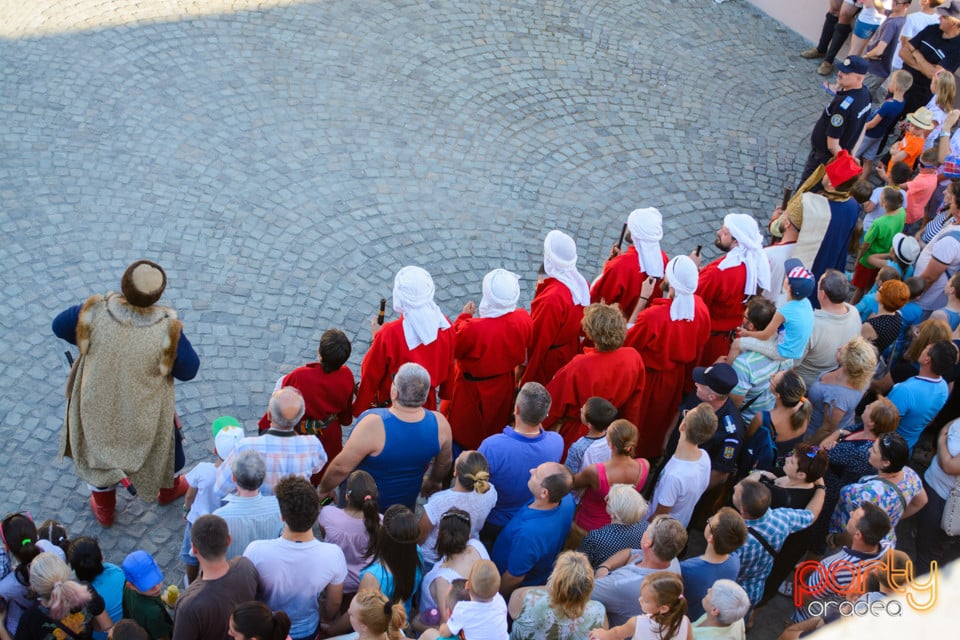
[
  {"x": 800, "y": 280},
  {"x": 950, "y": 9},
  {"x": 853, "y": 64},
  {"x": 721, "y": 378},
  {"x": 141, "y": 570}
]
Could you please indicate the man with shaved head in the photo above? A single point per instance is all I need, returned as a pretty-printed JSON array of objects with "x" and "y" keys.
[
  {"x": 284, "y": 452},
  {"x": 528, "y": 545}
]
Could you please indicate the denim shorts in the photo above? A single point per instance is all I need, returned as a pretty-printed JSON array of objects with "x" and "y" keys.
[
  {"x": 185, "y": 556},
  {"x": 864, "y": 30}
]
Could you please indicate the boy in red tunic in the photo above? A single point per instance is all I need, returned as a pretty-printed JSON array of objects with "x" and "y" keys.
[
  {"x": 327, "y": 389},
  {"x": 556, "y": 310},
  {"x": 624, "y": 273},
  {"x": 611, "y": 371},
  {"x": 488, "y": 350},
  {"x": 670, "y": 334},
  {"x": 727, "y": 282},
  {"x": 421, "y": 335}
]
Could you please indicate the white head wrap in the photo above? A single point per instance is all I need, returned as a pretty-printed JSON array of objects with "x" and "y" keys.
[
  {"x": 749, "y": 251},
  {"x": 560, "y": 262},
  {"x": 683, "y": 277},
  {"x": 413, "y": 297},
  {"x": 646, "y": 228},
  {"x": 501, "y": 290}
]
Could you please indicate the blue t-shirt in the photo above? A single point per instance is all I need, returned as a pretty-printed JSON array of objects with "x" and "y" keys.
[
  {"x": 385, "y": 578},
  {"x": 531, "y": 541},
  {"x": 918, "y": 400},
  {"x": 889, "y": 111},
  {"x": 699, "y": 575},
  {"x": 109, "y": 584},
  {"x": 795, "y": 331},
  {"x": 511, "y": 456}
]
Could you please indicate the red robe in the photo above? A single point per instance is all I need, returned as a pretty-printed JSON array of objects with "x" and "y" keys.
[
  {"x": 670, "y": 349},
  {"x": 722, "y": 292},
  {"x": 616, "y": 375},
  {"x": 487, "y": 352},
  {"x": 388, "y": 352},
  {"x": 621, "y": 280},
  {"x": 327, "y": 396},
  {"x": 556, "y": 331}
]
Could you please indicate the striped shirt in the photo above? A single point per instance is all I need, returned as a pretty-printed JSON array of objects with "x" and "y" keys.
[
  {"x": 838, "y": 571},
  {"x": 284, "y": 452},
  {"x": 754, "y": 371},
  {"x": 755, "y": 561},
  {"x": 249, "y": 519}
]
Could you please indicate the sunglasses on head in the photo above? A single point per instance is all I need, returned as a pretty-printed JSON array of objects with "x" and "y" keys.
[
  {"x": 6, "y": 519},
  {"x": 810, "y": 454}
]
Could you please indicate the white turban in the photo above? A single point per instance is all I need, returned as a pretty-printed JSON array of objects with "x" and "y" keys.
[
  {"x": 646, "y": 228},
  {"x": 749, "y": 252},
  {"x": 683, "y": 277},
  {"x": 413, "y": 297},
  {"x": 501, "y": 290},
  {"x": 560, "y": 262}
]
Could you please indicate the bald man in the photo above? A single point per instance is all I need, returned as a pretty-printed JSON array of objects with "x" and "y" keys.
[
  {"x": 284, "y": 452},
  {"x": 527, "y": 547}
]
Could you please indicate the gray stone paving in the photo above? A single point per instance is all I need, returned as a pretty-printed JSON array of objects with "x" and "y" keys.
[{"x": 282, "y": 163}]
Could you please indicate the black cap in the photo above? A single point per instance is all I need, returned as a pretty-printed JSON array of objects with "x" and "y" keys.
[{"x": 721, "y": 378}]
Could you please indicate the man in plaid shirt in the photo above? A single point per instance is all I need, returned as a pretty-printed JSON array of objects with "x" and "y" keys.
[
  {"x": 767, "y": 529},
  {"x": 284, "y": 452}
]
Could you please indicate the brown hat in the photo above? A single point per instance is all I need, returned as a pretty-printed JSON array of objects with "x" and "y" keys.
[
  {"x": 143, "y": 283},
  {"x": 893, "y": 294}
]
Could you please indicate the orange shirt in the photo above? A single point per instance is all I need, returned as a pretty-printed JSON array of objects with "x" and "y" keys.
[{"x": 911, "y": 145}]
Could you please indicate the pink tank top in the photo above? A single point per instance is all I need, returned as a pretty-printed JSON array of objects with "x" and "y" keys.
[{"x": 592, "y": 513}]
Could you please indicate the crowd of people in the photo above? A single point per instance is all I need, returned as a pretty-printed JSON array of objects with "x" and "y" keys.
[{"x": 539, "y": 474}]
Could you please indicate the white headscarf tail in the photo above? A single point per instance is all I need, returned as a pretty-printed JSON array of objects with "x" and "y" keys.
[
  {"x": 749, "y": 252},
  {"x": 413, "y": 297},
  {"x": 683, "y": 277},
  {"x": 560, "y": 262},
  {"x": 501, "y": 290},
  {"x": 646, "y": 229}
]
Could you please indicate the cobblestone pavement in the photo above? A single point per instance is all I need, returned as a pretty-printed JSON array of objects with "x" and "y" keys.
[{"x": 282, "y": 160}]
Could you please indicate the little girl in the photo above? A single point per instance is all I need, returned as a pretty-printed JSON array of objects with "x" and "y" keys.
[{"x": 664, "y": 612}]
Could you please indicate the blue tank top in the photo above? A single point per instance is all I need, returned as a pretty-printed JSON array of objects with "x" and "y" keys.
[{"x": 407, "y": 450}]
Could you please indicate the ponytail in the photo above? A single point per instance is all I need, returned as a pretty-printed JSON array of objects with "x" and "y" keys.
[
  {"x": 398, "y": 620},
  {"x": 473, "y": 472},
  {"x": 50, "y": 579},
  {"x": 255, "y": 619},
  {"x": 801, "y": 414},
  {"x": 667, "y": 590},
  {"x": 380, "y": 614},
  {"x": 362, "y": 495}
]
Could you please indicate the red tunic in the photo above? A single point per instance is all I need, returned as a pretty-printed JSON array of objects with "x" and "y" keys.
[
  {"x": 556, "y": 331},
  {"x": 621, "y": 280},
  {"x": 487, "y": 351},
  {"x": 722, "y": 292},
  {"x": 616, "y": 375},
  {"x": 327, "y": 396},
  {"x": 388, "y": 352},
  {"x": 670, "y": 349}
]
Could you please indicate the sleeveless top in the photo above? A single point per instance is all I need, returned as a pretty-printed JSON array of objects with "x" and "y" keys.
[
  {"x": 408, "y": 448},
  {"x": 593, "y": 507}
]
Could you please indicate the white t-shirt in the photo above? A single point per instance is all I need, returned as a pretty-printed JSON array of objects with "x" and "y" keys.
[
  {"x": 478, "y": 505},
  {"x": 945, "y": 249},
  {"x": 294, "y": 575},
  {"x": 480, "y": 620},
  {"x": 681, "y": 484},
  {"x": 647, "y": 629},
  {"x": 938, "y": 479},
  {"x": 203, "y": 477},
  {"x": 596, "y": 453},
  {"x": 777, "y": 254},
  {"x": 870, "y": 15},
  {"x": 914, "y": 24}
]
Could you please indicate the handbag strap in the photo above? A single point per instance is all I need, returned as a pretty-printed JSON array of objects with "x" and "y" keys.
[
  {"x": 763, "y": 541},
  {"x": 903, "y": 499}
]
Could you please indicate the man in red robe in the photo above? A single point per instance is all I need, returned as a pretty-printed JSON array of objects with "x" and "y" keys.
[
  {"x": 727, "y": 282},
  {"x": 420, "y": 335},
  {"x": 327, "y": 389},
  {"x": 609, "y": 370},
  {"x": 556, "y": 310},
  {"x": 670, "y": 334},
  {"x": 488, "y": 350},
  {"x": 624, "y": 273}
]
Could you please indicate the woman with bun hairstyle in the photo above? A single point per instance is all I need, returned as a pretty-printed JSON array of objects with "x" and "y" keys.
[
  {"x": 66, "y": 606},
  {"x": 471, "y": 492},
  {"x": 374, "y": 617},
  {"x": 356, "y": 527},
  {"x": 255, "y": 621}
]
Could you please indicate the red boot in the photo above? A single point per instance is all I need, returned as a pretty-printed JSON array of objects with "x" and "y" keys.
[
  {"x": 103, "y": 504},
  {"x": 179, "y": 488}
]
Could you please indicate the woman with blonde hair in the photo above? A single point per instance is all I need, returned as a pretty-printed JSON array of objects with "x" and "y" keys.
[
  {"x": 471, "y": 492},
  {"x": 628, "y": 511},
  {"x": 943, "y": 86},
  {"x": 374, "y": 617},
  {"x": 562, "y": 611},
  {"x": 836, "y": 393},
  {"x": 66, "y": 607}
]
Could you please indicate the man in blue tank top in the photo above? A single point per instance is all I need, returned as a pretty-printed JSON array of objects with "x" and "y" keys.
[{"x": 396, "y": 445}]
